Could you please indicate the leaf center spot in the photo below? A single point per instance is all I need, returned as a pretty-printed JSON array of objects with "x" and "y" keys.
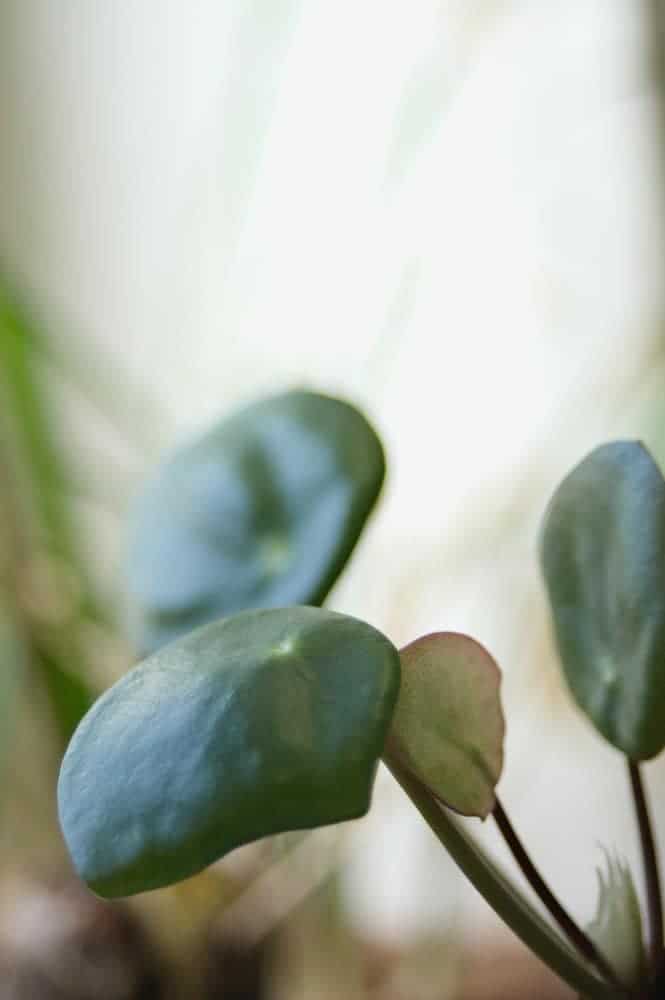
[
  {"x": 275, "y": 554},
  {"x": 284, "y": 647},
  {"x": 607, "y": 671}
]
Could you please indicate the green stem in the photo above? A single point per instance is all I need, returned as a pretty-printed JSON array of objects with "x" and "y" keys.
[
  {"x": 501, "y": 895},
  {"x": 650, "y": 864},
  {"x": 581, "y": 941}
]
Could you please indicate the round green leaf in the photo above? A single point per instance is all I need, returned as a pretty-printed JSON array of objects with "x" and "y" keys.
[
  {"x": 603, "y": 558},
  {"x": 257, "y": 724},
  {"x": 448, "y": 726},
  {"x": 262, "y": 511}
]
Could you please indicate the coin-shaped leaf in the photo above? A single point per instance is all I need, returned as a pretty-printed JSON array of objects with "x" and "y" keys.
[
  {"x": 603, "y": 559},
  {"x": 257, "y": 724},
  {"x": 448, "y": 726},
  {"x": 262, "y": 511}
]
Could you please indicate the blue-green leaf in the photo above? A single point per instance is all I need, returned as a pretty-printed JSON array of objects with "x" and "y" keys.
[
  {"x": 262, "y": 511},
  {"x": 257, "y": 724},
  {"x": 603, "y": 558}
]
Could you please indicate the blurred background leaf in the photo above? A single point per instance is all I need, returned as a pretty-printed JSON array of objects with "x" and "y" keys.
[
  {"x": 264, "y": 509},
  {"x": 48, "y": 583}
]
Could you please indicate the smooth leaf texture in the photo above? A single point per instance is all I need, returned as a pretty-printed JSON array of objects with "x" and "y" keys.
[
  {"x": 448, "y": 726},
  {"x": 262, "y": 511},
  {"x": 261, "y": 723},
  {"x": 603, "y": 558},
  {"x": 617, "y": 925}
]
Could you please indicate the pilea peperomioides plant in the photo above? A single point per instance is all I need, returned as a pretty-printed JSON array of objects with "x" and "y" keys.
[{"x": 256, "y": 714}]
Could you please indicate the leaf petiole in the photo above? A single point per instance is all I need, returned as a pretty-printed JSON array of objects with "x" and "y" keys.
[
  {"x": 504, "y": 898},
  {"x": 651, "y": 875},
  {"x": 581, "y": 941}
]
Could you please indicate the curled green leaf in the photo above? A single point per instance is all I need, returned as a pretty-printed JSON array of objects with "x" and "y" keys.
[
  {"x": 13, "y": 658},
  {"x": 264, "y": 511},
  {"x": 448, "y": 726},
  {"x": 603, "y": 559},
  {"x": 257, "y": 724},
  {"x": 617, "y": 925}
]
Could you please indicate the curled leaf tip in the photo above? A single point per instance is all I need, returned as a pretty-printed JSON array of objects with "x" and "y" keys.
[
  {"x": 617, "y": 925},
  {"x": 603, "y": 560}
]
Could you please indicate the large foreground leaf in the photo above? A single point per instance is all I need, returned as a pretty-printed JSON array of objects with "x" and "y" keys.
[
  {"x": 448, "y": 726},
  {"x": 262, "y": 511},
  {"x": 257, "y": 724},
  {"x": 603, "y": 557}
]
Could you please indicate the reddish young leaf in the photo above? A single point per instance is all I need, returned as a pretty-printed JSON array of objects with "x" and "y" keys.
[{"x": 448, "y": 727}]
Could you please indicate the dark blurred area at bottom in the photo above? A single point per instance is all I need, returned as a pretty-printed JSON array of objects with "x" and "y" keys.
[{"x": 60, "y": 942}]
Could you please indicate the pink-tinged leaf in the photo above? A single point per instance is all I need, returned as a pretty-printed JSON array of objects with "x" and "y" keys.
[{"x": 448, "y": 727}]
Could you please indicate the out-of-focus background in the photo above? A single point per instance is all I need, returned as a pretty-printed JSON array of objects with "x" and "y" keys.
[{"x": 450, "y": 212}]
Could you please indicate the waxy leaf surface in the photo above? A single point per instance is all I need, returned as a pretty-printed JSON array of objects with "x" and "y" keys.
[
  {"x": 257, "y": 724},
  {"x": 603, "y": 558},
  {"x": 262, "y": 511},
  {"x": 448, "y": 726}
]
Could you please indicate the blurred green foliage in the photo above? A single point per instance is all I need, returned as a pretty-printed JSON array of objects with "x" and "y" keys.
[{"x": 46, "y": 590}]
